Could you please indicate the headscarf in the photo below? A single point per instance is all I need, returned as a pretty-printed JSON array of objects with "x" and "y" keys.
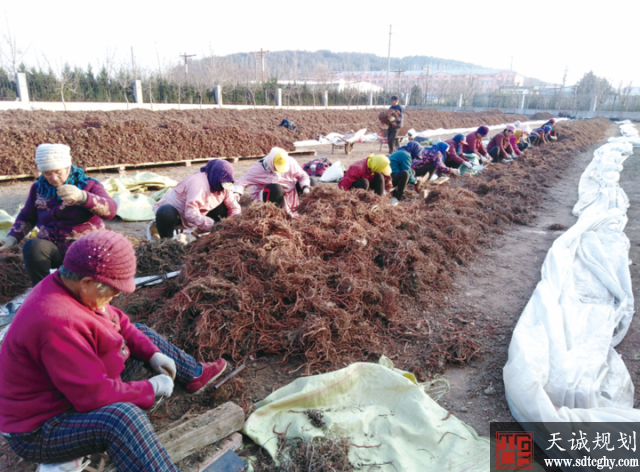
[
  {"x": 456, "y": 139},
  {"x": 268, "y": 162},
  {"x": 218, "y": 172},
  {"x": 76, "y": 177},
  {"x": 379, "y": 163},
  {"x": 442, "y": 147},
  {"x": 547, "y": 128},
  {"x": 413, "y": 148}
]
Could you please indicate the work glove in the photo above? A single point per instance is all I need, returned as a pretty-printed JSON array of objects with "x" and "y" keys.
[
  {"x": 468, "y": 165},
  {"x": 71, "y": 193},
  {"x": 237, "y": 196},
  {"x": 455, "y": 172},
  {"x": 483, "y": 159},
  {"x": 162, "y": 385},
  {"x": 306, "y": 190},
  {"x": 162, "y": 364},
  {"x": 6, "y": 243}
]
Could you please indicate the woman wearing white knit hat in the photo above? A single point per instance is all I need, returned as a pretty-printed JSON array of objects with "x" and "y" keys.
[{"x": 64, "y": 204}]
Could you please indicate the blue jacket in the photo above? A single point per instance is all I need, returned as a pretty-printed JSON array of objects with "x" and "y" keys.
[{"x": 401, "y": 161}]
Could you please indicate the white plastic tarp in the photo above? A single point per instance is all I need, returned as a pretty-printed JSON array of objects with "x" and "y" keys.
[{"x": 562, "y": 364}]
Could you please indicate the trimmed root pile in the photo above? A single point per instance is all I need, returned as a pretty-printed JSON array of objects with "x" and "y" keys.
[{"x": 333, "y": 286}]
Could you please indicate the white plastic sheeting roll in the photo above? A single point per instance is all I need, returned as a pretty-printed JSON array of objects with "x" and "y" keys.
[{"x": 562, "y": 364}]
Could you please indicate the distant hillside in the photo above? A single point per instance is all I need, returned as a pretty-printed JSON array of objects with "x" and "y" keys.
[{"x": 306, "y": 64}]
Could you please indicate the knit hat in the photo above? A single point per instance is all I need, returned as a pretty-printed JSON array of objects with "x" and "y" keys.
[
  {"x": 516, "y": 123},
  {"x": 510, "y": 128},
  {"x": 483, "y": 131},
  {"x": 105, "y": 256},
  {"x": 547, "y": 128},
  {"x": 552, "y": 121},
  {"x": 53, "y": 157},
  {"x": 379, "y": 164}
]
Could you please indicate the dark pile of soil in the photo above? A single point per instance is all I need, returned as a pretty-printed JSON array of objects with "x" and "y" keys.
[
  {"x": 137, "y": 136},
  {"x": 542, "y": 116}
]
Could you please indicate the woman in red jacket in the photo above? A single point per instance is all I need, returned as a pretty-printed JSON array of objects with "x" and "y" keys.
[{"x": 64, "y": 389}]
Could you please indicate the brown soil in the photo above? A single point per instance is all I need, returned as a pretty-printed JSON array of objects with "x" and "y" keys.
[
  {"x": 542, "y": 116},
  {"x": 137, "y": 136},
  {"x": 476, "y": 301}
]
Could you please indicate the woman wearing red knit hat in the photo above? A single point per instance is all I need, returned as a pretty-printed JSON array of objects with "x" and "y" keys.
[{"x": 64, "y": 389}]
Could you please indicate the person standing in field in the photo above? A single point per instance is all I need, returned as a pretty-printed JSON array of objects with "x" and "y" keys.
[{"x": 395, "y": 123}]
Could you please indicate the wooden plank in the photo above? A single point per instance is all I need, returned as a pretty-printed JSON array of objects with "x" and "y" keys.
[
  {"x": 186, "y": 162},
  {"x": 201, "y": 431}
]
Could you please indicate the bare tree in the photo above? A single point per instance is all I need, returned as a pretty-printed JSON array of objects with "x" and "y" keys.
[
  {"x": 124, "y": 78},
  {"x": 14, "y": 53}
]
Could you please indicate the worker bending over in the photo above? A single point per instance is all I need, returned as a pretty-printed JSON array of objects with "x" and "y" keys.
[
  {"x": 64, "y": 389},
  {"x": 278, "y": 178},
  {"x": 474, "y": 144},
  {"x": 401, "y": 172},
  {"x": 63, "y": 204},
  {"x": 454, "y": 156},
  {"x": 372, "y": 173},
  {"x": 432, "y": 160},
  {"x": 198, "y": 201},
  {"x": 500, "y": 147}
]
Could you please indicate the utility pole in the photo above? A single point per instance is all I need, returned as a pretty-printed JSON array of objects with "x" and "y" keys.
[
  {"x": 260, "y": 54},
  {"x": 399, "y": 78},
  {"x": 389, "y": 58},
  {"x": 186, "y": 64},
  {"x": 426, "y": 84},
  {"x": 133, "y": 64}
]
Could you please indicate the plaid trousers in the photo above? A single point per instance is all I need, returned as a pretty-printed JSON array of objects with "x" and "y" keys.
[{"x": 120, "y": 429}]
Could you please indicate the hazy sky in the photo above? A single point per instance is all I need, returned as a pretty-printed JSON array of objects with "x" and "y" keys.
[{"x": 543, "y": 37}]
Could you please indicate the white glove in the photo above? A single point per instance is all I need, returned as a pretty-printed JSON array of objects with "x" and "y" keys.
[
  {"x": 237, "y": 196},
  {"x": 306, "y": 190},
  {"x": 162, "y": 364},
  {"x": 468, "y": 165},
  {"x": 455, "y": 172},
  {"x": 71, "y": 193},
  {"x": 6, "y": 243},
  {"x": 162, "y": 385},
  {"x": 483, "y": 159}
]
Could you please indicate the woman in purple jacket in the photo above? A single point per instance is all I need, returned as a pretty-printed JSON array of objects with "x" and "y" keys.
[{"x": 64, "y": 204}]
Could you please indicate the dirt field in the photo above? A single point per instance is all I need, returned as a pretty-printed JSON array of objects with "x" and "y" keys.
[
  {"x": 494, "y": 288},
  {"x": 137, "y": 136}
]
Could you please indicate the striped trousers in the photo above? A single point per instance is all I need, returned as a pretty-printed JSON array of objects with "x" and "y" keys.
[{"x": 122, "y": 429}]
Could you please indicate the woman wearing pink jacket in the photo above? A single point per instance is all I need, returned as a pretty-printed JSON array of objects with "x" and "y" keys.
[
  {"x": 198, "y": 201},
  {"x": 277, "y": 178}
]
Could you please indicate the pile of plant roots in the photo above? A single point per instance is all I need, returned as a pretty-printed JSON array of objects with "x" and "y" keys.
[
  {"x": 354, "y": 277},
  {"x": 14, "y": 280},
  {"x": 139, "y": 136}
]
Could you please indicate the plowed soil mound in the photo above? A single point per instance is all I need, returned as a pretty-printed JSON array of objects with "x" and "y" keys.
[{"x": 137, "y": 136}]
